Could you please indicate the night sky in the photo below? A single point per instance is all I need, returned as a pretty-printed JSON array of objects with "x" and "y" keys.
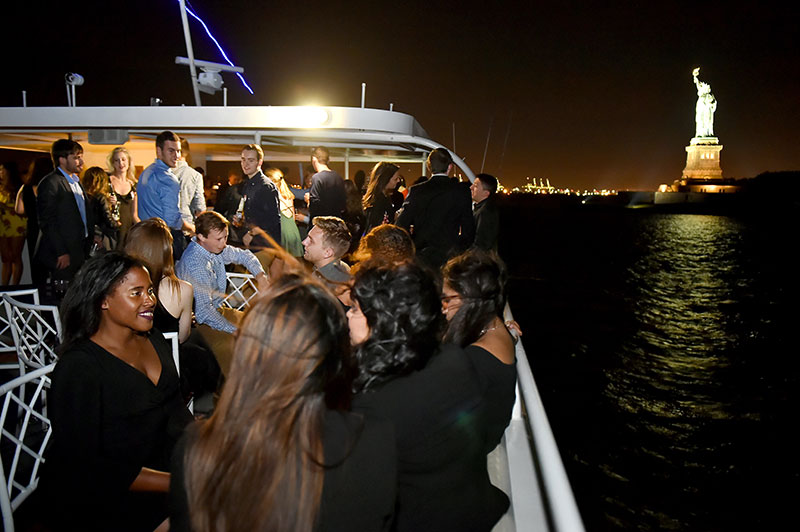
[{"x": 595, "y": 96}]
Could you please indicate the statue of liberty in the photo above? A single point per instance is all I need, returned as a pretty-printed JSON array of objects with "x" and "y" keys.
[{"x": 704, "y": 111}]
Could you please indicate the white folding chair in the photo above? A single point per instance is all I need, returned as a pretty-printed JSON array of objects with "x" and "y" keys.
[
  {"x": 240, "y": 290},
  {"x": 7, "y": 346},
  {"x": 36, "y": 330},
  {"x": 172, "y": 338},
  {"x": 25, "y": 431}
]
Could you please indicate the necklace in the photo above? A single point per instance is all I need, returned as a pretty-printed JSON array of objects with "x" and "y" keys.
[{"x": 487, "y": 329}]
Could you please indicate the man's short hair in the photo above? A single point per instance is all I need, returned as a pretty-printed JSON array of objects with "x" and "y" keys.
[
  {"x": 165, "y": 136},
  {"x": 322, "y": 154},
  {"x": 208, "y": 221},
  {"x": 335, "y": 233},
  {"x": 488, "y": 182},
  {"x": 439, "y": 160},
  {"x": 64, "y": 148},
  {"x": 256, "y": 148}
]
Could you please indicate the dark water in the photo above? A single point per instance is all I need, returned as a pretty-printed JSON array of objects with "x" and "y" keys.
[{"x": 664, "y": 347}]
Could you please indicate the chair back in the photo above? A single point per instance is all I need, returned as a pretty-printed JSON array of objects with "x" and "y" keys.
[
  {"x": 36, "y": 330},
  {"x": 172, "y": 338},
  {"x": 25, "y": 431},
  {"x": 241, "y": 289},
  {"x": 6, "y": 337}
]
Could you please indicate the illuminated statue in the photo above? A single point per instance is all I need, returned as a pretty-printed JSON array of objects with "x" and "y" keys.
[{"x": 704, "y": 111}]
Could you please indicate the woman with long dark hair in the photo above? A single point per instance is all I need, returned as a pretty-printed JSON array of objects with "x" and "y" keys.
[
  {"x": 473, "y": 301},
  {"x": 12, "y": 225},
  {"x": 431, "y": 394},
  {"x": 115, "y": 404},
  {"x": 377, "y": 201},
  {"x": 281, "y": 451}
]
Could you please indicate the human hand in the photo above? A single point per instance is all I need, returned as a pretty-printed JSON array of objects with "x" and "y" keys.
[{"x": 62, "y": 261}]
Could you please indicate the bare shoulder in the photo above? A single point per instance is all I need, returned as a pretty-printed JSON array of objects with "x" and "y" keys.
[
  {"x": 498, "y": 342},
  {"x": 170, "y": 293},
  {"x": 186, "y": 288}
]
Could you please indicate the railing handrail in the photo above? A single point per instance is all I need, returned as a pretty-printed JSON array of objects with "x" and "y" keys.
[{"x": 559, "y": 497}]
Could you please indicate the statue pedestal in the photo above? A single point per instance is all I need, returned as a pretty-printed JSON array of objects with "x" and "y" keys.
[{"x": 702, "y": 159}]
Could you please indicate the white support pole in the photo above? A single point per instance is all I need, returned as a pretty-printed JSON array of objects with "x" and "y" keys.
[
  {"x": 24, "y": 98},
  {"x": 225, "y": 96},
  {"x": 190, "y": 53},
  {"x": 363, "y": 94},
  {"x": 347, "y": 163}
]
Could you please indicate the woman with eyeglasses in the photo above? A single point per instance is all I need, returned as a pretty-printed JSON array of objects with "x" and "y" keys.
[
  {"x": 473, "y": 301},
  {"x": 431, "y": 394}
]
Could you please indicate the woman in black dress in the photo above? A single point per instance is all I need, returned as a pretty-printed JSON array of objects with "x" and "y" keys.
[
  {"x": 473, "y": 301},
  {"x": 378, "y": 206},
  {"x": 123, "y": 182},
  {"x": 150, "y": 242},
  {"x": 432, "y": 395},
  {"x": 282, "y": 451},
  {"x": 115, "y": 404}
]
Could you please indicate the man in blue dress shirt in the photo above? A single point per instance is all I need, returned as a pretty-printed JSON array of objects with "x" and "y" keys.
[
  {"x": 159, "y": 190},
  {"x": 203, "y": 265}
]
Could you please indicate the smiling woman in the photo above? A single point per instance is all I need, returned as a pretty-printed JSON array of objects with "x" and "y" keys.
[{"x": 115, "y": 404}]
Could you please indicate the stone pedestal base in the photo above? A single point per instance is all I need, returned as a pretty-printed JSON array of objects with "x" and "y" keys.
[{"x": 702, "y": 159}]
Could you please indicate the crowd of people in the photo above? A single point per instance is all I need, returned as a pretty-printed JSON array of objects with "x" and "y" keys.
[{"x": 342, "y": 398}]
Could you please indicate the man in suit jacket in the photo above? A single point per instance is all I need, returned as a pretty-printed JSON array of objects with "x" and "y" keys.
[
  {"x": 487, "y": 217},
  {"x": 440, "y": 211},
  {"x": 66, "y": 226}
]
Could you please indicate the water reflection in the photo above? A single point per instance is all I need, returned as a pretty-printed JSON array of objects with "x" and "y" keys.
[{"x": 664, "y": 347}]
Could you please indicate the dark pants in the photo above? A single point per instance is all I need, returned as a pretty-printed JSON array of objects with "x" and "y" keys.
[{"x": 178, "y": 244}]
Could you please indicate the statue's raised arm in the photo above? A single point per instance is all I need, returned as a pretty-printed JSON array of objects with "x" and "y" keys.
[{"x": 706, "y": 105}]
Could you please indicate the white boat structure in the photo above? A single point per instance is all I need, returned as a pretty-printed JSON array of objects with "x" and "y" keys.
[{"x": 527, "y": 464}]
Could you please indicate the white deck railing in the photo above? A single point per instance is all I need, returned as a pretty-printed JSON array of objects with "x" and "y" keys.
[{"x": 540, "y": 492}]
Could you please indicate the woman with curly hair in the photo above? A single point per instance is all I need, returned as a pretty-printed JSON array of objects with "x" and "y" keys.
[
  {"x": 385, "y": 244},
  {"x": 473, "y": 301},
  {"x": 282, "y": 451},
  {"x": 377, "y": 202},
  {"x": 431, "y": 394}
]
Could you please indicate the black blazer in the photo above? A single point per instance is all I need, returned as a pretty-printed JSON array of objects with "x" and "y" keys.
[
  {"x": 440, "y": 210},
  {"x": 487, "y": 224},
  {"x": 60, "y": 225}
]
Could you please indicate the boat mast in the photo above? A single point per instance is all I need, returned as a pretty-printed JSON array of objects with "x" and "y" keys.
[{"x": 190, "y": 53}]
